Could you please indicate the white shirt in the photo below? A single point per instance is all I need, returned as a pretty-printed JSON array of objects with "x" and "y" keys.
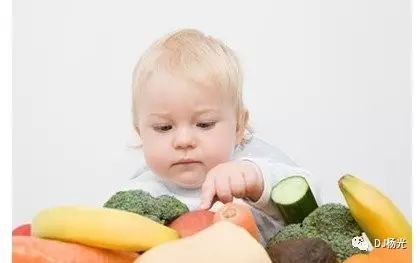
[{"x": 274, "y": 166}]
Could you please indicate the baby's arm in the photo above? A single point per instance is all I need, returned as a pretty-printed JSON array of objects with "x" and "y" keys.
[
  {"x": 272, "y": 172},
  {"x": 251, "y": 179},
  {"x": 267, "y": 215}
]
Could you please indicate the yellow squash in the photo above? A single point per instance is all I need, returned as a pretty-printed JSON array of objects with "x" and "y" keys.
[
  {"x": 373, "y": 211},
  {"x": 220, "y": 242},
  {"x": 101, "y": 227}
]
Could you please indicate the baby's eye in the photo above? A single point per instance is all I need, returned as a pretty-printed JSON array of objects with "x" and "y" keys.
[
  {"x": 206, "y": 125},
  {"x": 162, "y": 128}
]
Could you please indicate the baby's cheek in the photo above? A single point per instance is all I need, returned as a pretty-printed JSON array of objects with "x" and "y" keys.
[{"x": 156, "y": 160}]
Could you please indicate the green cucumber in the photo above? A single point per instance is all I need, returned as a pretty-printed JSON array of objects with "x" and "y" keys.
[{"x": 294, "y": 198}]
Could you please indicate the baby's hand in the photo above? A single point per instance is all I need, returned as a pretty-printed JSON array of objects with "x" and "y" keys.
[{"x": 240, "y": 179}]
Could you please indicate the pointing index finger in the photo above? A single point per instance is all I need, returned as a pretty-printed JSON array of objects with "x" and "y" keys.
[{"x": 207, "y": 193}]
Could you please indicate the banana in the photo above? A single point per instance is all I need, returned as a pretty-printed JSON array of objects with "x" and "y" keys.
[
  {"x": 373, "y": 211},
  {"x": 101, "y": 227}
]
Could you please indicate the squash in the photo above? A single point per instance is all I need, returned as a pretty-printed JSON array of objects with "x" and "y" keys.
[
  {"x": 221, "y": 242},
  {"x": 30, "y": 249}
]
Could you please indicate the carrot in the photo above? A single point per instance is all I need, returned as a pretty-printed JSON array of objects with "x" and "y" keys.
[
  {"x": 401, "y": 255},
  {"x": 30, "y": 249},
  {"x": 382, "y": 255},
  {"x": 240, "y": 215}
]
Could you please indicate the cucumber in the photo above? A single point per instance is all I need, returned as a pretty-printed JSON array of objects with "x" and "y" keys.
[{"x": 294, "y": 198}]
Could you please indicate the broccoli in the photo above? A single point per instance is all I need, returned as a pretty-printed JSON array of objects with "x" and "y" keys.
[
  {"x": 330, "y": 219},
  {"x": 331, "y": 222},
  {"x": 170, "y": 208},
  {"x": 334, "y": 224},
  {"x": 163, "y": 209}
]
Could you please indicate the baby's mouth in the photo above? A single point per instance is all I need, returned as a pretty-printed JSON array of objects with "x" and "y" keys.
[{"x": 186, "y": 161}]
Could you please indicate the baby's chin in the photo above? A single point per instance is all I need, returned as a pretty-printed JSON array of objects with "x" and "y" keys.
[{"x": 189, "y": 180}]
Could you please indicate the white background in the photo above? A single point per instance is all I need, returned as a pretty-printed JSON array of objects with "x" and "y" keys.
[{"x": 326, "y": 81}]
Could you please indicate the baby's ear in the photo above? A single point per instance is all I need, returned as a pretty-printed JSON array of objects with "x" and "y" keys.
[
  {"x": 137, "y": 129},
  {"x": 241, "y": 125}
]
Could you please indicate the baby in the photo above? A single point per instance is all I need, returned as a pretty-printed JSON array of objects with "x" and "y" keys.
[{"x": 188, "y": 112}]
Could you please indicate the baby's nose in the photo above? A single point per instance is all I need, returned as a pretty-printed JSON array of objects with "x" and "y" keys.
[{"x": 184, "y": 138}]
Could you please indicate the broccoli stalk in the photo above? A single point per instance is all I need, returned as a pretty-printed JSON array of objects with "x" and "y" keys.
[{"x": 163, "y": 209}]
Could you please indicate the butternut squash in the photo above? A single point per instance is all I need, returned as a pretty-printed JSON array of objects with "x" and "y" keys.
[{"x": 221, "y": 242}]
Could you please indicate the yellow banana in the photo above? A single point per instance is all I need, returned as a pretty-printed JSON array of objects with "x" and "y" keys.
[
  {"x": 373, "y": 211},
  {"x": 101, "y": 227}
]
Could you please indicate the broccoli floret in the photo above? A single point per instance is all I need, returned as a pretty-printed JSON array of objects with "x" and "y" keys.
[
  {"x": 334, "y": 224},
  {"x": 162, "y": 209},
  {"x": 330, "y": 219},
  {"x": 331, "y": 222},
  {"x": 135, "y": 201},
  {"x": 293, "y": 231},
  {"x": 170, "y": 207}
]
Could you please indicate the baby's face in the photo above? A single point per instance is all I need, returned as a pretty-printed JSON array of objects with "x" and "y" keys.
[{"x": 186, "y": 128}]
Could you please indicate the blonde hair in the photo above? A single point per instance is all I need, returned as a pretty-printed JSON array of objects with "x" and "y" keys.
[{"x": 195, "y": 56}]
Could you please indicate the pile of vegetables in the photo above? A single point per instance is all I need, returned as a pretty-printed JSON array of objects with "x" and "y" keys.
[
  {"x": 134, "y": 226},
  {"x": 334, "y": 225},
  {"x": 131, "y": 222}
]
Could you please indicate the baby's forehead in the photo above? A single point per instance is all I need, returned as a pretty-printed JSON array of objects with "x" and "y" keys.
[
  {"x": 172, "y": 93},
  {"x": 202, "y": 82}
]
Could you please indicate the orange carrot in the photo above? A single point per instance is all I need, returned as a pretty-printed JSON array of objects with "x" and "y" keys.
[
  {"x": 392, "y": 255},
  {"x": 240, "y": 215},
  {"x": 382, "y": 255},
  {"x": 30, "y": 249}
]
